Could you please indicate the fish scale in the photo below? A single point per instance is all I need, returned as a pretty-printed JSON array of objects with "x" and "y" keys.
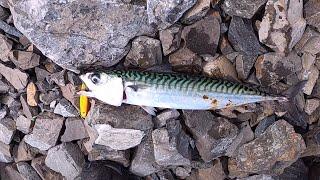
[{"x": 186, "y": 82}]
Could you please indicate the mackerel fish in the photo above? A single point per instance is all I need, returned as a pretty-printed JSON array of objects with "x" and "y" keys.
[{"x": 169, "y": 90}]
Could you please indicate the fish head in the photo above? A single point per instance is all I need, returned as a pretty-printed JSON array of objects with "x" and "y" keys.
[{"x": 105, "y": 87}]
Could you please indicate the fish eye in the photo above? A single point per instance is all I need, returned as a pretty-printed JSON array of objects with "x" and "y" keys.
[{"x": 95, "y": 78}]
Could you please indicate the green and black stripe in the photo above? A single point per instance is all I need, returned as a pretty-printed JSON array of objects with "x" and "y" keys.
[{"x": 188, "y": 83}]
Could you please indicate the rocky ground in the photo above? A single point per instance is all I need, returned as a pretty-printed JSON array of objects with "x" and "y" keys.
[{"x": 270, "y": 43}]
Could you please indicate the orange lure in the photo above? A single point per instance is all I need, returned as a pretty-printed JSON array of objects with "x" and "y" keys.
[{"x": 84, "y": 103}]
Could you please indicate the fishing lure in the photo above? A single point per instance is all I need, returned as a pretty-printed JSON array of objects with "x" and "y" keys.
[
  {"x": 168, "y": 90},
  {"x": 84, "y": 103}
]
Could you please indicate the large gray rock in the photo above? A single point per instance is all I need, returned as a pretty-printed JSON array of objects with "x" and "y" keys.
[
  {"x": 66, "y": 159},
  {"x": 45, "y": 132},
  {"x": 242, "y": 8},
  {"x": 243, "y": 38},
  {"x": 213, "y": 136},
  {"x": 75, "y": 33},
  {"x": 75, "y": 130},
  {"x": 164, "y": 13},
  {"x": 65, "y": 109},
  {"x": 274, "y": 150},
  {"x": 282, "y": 25},
  {"x": 170, "y": 38},
  {"x": 15, "y": 77},
  {"x": 5, "y": 153},
  {"x": 198, "y": 11}
]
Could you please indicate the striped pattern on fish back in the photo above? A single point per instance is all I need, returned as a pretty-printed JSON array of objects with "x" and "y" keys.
[{"x": 187, "y": 83}]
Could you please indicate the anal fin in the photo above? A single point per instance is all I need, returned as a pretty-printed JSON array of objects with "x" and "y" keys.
[{"x": 150, "y": 110}]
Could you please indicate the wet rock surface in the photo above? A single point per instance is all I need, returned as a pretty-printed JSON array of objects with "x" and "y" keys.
[{"x": 272, "y": 45}]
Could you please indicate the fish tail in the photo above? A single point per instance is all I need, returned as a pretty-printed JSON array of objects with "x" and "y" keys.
[
  {"x": 293, "y": 111},
  {"x": 292, "y": 92}
]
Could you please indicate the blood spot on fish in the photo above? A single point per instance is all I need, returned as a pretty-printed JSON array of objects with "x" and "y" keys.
[
  {"x": 205, "y": 97},
  {"x": 214, "y": 103}
]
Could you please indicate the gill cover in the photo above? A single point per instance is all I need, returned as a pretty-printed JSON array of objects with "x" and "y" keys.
[{"x": 104, "y": 87}]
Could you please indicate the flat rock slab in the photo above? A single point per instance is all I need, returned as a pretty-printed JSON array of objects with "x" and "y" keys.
[
  {"x": 75, "y": 130},
  {"x": 44, "y": 172},
  {"x": 7, "y": 129},
  {"x": 117, "y": 139},
  {"x": 45, "y": 132},
  {"x": 75, "y": 33},
  {"x": 27, "y": 171},
  {"x": 15, "y": 77},
  {"x": 274, "y": 150},
  {"x": 66, "y": 159}
]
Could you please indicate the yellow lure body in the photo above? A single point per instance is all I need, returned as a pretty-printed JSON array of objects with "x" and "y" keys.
[{"x": 84, "y": 103}]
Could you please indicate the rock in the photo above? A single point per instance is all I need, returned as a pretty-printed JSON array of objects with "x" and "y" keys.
[
  {"x": 124, "y": 117},
  {"x": 27, "y": 172},
  {"x": 143, "y": 162},
  {"x": 99, "y": 39},
  {"x": 243, "y": 8},
  {"x": 73, "y": 78},
  {"x": 145, "y": 52},
  {"x": 171, "y": 145},
  {"x": 258, "y": 177},
  {"x": 5, "y": 153},
  {"x": 28, "y": 111},
  {"x": 273, "y": 67},
  {"x": 41, "y": 74},
  {"x": 100, "y": 152},
  {"x": 49, "y": 96},
  {"x": 4, "y": 87},
  {"x": 15, "y": 77},
  {"x": 298, "y": 170},
  {"x": 185, "y": 60},
  {"x": 69, "y": 91},
  {"x": 198, "y": 11},
  {"x": 312, "y": 79},
  {"x": 164, "y": 13},
  {"x": 311, "y": 105},
  {"x": 312, "y": 46},
  {"x": 161, "y": 119},
  {"x": 279, "y": 18},
  {"x": 32, "y": 95},
  {"x": 24, "y": 59},
  {"x": 24, "y": 152},
  {"x": 214, "y": 172},
  {"x": 220, "y": 68},
  {"x": 65, "y": 109},
  {"x": 182, "y": 173},
  {"x": 311, "y": 12},
  {"x": 263, "y": 125},
  {"x": 75, "y": 130},
  {"x": 44, "y": 171},
  {"x": 274, "y": 150},
  {"x": 314, "y": 172},
  {"x": 165, "y": 174},
  {"x": 245, "y": 135},
  {"x": 308, "y": 34},
  {"x": 5, "y": 47},
  {"x": 10, "y": 172},
  {"x": 7, "y": 130},
  {"x": 105, "y": 170},
  {"x": 45, "y": 131},
  {"x": 170, "y": 38},
  {"x": 225, "y": 46},
  {"x": 207, "y": 32},
  {"x": 213, "y": 136},
  {"x": 59, "y": 78},
  {"x": 243, "y": 38},
  {"x": 312, "y": 139},
  {"x": 116, "y": 138},
  {"x": 66, "y": 159},
  {"x": 244, "y": 64},
  {"x": 316, "y": 90}
]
